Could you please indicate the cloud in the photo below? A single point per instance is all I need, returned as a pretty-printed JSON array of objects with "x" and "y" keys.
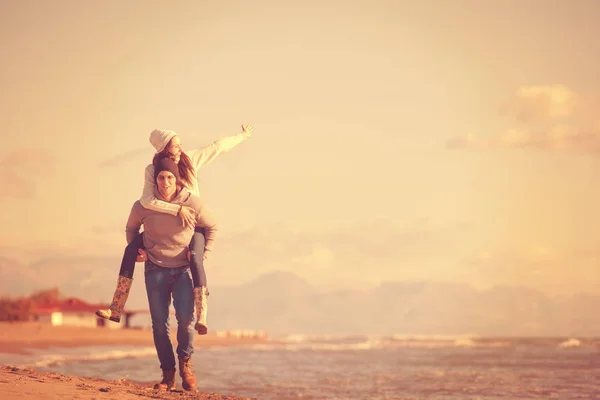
[
  {"x": 24, "y": 168},
  {"x": 379, "y": 239},
  {"x": 512, "y": 263},
  {"x": 558, "y": 138},
  {"x": 320, "y": 257},
  {"x": 543, "y": 103},
  {"x": 468, "y": 141},
  {"x": 555, "y": 119},
  {"x": 367, "y": 252},
  {"x": 539, "y": 266},
  {"x": 122, "y": 158}
]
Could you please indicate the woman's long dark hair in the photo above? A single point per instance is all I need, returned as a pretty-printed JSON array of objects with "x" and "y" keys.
[{"x": 186, "y": 170}]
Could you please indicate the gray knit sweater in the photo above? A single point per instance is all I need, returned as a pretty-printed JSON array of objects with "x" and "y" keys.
[{"x": 165, "y": 239}]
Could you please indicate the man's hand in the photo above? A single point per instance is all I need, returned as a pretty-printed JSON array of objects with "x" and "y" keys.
[
  {"x": 142, "y": 256},
  {"x": 188, "y": 217},
  {"x": 247, "y": 130}
]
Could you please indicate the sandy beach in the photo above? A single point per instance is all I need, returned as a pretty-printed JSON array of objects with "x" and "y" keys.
[
  {"x": 17, "y": 338},
  {"x": 18, "y": 383}
]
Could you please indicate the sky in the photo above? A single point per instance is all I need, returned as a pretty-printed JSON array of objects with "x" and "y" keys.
[{"x": 393, "y": 140}]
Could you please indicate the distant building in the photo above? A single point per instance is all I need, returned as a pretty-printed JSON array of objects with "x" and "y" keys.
[{"x": 72, "y": 312}]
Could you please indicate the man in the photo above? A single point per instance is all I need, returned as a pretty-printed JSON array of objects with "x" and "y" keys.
[{"x": 167, "y": 272}]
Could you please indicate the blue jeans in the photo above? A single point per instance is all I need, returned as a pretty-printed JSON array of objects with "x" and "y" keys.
[{"x": 161, "y": 284}]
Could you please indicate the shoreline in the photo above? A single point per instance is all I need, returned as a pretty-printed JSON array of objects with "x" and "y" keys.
[{"x": 20, "y": 337}]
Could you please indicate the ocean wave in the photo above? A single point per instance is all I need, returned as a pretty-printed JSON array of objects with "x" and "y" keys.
[
  {"x": 571, "y": 342},
  {"x": 402, "y": 337},
  {"x": 298, "y": 342},
  {"x": 302, "y": 338},
  {"x": 47, "y": 359},
  {"x": 317, "y": 346}
]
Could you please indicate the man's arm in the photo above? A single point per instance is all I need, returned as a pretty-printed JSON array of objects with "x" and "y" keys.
[
  {"x": 149, "y": 200},
  {"x": 134, "y": 222},
  {"x": 208, "y": 154}
]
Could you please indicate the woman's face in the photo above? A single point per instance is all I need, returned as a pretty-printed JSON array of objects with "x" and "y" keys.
[{"x": 174, "y": 149}]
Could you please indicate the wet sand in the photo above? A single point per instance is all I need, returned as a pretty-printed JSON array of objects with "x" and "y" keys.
[{"x": 16, "y": 338}]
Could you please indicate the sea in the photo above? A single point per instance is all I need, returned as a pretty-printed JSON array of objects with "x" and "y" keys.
[{"x": 372, "y": 367}]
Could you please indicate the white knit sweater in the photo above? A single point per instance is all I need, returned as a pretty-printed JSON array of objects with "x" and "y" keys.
[{"x": 199, "y": 158}]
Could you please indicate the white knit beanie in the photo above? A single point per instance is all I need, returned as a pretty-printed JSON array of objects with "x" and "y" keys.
[{"x": 160, "y": 138}]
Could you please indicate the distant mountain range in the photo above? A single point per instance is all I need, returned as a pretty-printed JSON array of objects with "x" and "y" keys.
[{"x": 281, "y": 302}]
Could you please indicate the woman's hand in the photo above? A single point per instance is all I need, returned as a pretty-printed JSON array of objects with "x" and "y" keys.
[
  {"x": 247, "y": 130},
  {"x": 188, "y": 216}
]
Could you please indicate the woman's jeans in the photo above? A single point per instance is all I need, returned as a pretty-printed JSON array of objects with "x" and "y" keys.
[
  {"x": 196, "y": 257},
  {"x": 162, "y": 284}
]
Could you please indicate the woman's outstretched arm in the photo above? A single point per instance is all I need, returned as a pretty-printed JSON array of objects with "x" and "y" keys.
[{"x": 208, "y": 154}]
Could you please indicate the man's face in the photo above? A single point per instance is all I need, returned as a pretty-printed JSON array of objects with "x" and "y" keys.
[{"x": 167, "y": 184}]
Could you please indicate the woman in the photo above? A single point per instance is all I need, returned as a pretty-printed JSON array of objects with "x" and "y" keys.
[{"x": 168, "y": 143}]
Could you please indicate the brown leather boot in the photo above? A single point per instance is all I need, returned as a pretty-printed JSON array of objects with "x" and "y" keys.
[
  {"x": 200, "y": 299},
  {"x": 188, "y": 380},
  {"x": 168, "y": 380}
]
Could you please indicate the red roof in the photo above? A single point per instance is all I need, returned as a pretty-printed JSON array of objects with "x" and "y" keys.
[{"x": 71, "y": 304}]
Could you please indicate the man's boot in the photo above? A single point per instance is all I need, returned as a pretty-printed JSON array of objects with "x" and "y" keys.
[
  {"x": 188, "y": 380},
  {"x": 119, "y": 298},
  {"x": 168, "y": 380},
  {"x": 200, "y": 298}
]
